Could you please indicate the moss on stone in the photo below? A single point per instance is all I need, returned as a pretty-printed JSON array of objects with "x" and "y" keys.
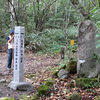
[
  {"x": 86, "y": 82},
  {"x": 75, "y": 96},
  {"x": 43, "y": 90},
  {"x": 72, "y": 67},
  {"x": 46, "y": 87}
]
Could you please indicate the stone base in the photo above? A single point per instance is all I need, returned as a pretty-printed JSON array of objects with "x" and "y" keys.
[{"x": 24, "y": 86}]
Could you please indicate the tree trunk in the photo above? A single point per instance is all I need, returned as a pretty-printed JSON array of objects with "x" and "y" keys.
[
  {"x": 13, "y": 7},
  {"x": 12, "y": 15},
  {"x": 99, "y": 3},
  {"x": 67, "y": 15}
]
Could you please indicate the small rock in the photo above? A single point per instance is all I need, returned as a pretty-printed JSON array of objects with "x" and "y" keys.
[
  {"x": 92, "y": 74},
  {"x": 63, "y": 74},
  {"x": 2, "y": 81}
]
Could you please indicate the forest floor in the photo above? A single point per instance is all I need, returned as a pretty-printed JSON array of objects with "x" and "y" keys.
[
  {"x": 33, "y": 64},
  {"x": 41, "y": 67}
]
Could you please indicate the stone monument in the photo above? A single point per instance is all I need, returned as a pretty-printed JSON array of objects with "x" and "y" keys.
[
  {"x": 86, "y": 66},
  {"x": 18, "y": 78}
]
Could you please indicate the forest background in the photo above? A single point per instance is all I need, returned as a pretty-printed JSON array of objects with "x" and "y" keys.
[{"x": 49, "y": 24}]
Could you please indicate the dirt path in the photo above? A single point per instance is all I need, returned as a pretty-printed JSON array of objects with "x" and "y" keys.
[{"x": 33, "y": 64}]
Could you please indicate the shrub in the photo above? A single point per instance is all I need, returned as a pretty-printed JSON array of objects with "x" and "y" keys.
[
  {"x": 72, "y": 32},
  {"x": 50, "y": 40}
]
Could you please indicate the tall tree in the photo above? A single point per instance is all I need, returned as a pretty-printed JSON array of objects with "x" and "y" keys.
[
  {"x": 41, "y": 14},
  {"x": 13, "y": 4}
]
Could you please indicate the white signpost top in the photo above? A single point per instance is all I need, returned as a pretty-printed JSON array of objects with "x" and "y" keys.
[{"x": 18, "y": 78}]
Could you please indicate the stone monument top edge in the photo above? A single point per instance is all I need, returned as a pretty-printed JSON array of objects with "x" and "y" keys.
[{"x": 19, "y": 29}]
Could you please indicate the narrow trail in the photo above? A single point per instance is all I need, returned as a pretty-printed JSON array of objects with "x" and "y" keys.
[{"x": 33, "y": 64}]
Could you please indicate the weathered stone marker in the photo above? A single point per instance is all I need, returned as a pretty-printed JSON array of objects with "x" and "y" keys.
[
  {"x": 86, "y": 66},
  {"x": 18, "y": 78}
]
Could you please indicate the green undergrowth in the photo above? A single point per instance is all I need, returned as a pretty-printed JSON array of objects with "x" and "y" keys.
[
  {"x": 98, "y": 98},
  {"x": 50, "y": 40},
  {"x": 61, "y": 64},
  {"x": 70, "y": 66},
  {"x": 85, "y": 83},
  {"x": 49, "y": 82},
  {"x": 56, "y": 70},
  {"x": 6, "y": 98},
  {"x": 45, "y": 88},
  {"x": 2, "y": 41}
]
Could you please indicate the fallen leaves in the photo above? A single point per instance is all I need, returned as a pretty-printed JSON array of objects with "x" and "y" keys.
[{"x": 38, "y": 70}]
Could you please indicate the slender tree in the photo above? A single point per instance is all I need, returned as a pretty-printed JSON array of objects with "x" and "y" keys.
[{"x": 13, "y": 7}]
